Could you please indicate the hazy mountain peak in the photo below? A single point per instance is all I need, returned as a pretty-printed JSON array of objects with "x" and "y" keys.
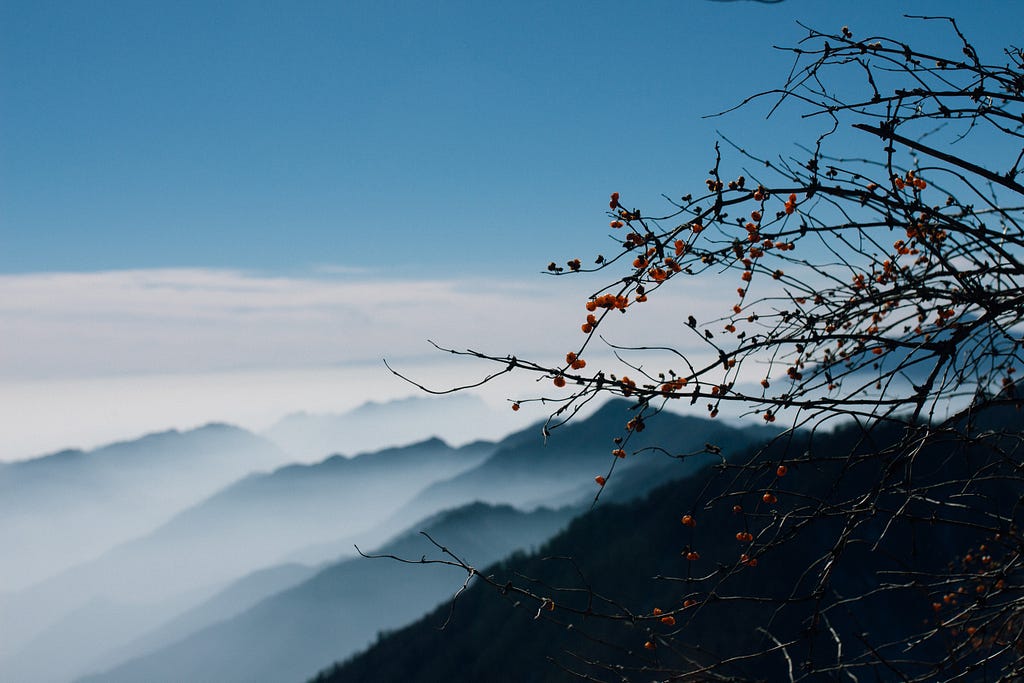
[{"x": 371, "y": 426}]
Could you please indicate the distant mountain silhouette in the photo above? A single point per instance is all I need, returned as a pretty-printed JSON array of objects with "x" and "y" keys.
[
  {"x": 236, "y": 598},
  {"x": 249, "y": 525},
  {"x": 342, "y": 607},
  {"x": 525, "y": 471},
  {"x": 458, "y": 418},
  {"x": 316, "y": 512},
  {"x": 62, "y": 509},
  {"x": 571, "y": 457}
]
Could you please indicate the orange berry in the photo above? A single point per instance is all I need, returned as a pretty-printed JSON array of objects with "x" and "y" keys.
[
  {"x": 601, "y": 481},
  {"x": 669, "y": 620},
  {"x": 649, "y": 645},
  {"x": 781, "y": 470},
  {"x": 619, "y": 453},
  {"x": 515, "y": 406},
  {"x": 769, "y": 498},
  {"x": 559, "y": 381}
]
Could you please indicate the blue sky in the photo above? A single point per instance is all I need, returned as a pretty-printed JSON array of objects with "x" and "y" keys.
[
  {"x": 406, "y": 137},
  {"x": 200, "y": 188}
]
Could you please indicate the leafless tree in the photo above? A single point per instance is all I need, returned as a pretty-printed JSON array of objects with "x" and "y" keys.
[{"x": 880, "y": 288}]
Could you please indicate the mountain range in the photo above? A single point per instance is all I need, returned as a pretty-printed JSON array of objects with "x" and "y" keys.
[
  {"x": 224, "y": 570},
  {"x": 309, "y": 437},
  {"x": 343, "y": 607},
  {"x": 246, "y": 526},
  {"x": 630, "y": 559},
  {"x": 66, "y": 508}
]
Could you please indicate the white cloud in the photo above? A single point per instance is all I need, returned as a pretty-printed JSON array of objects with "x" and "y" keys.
[
  {"x": 59, "y": 325},
  {"x": 91, "y": 357},
  {"x": 75, "y": 324}
]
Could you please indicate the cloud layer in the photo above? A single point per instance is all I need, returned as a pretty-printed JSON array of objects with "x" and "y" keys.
[{"x": 90, "y": 357}]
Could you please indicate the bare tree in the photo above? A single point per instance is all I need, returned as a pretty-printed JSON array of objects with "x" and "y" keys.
[{"x": 881, "y": 289}]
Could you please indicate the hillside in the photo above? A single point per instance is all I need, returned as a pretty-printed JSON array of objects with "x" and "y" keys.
[{"x": 630, "y": 553}]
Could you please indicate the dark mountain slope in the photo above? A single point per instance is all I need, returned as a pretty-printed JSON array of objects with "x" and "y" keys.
[{"x": 621, "y": 548}]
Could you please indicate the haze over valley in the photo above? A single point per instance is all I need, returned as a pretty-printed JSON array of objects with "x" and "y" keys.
[{"x": 197, "y": 546}]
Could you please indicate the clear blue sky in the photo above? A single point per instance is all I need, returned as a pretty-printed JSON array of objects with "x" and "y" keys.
[{"x": 409, "y": 137}]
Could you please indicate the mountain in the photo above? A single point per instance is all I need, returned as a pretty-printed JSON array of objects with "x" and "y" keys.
[
  {"x": 320, "y": 618},
  {"x": 528, "y": 471},
  {"x": 343, "y": 607},
  {"x": 630, "y": 553},
  {"x": 62, "y": 509},
  {"x": 456, "y": 418},
  {"x": 246, "y": 526},
  {"x": 320, "y": 509},
  {"x": 235, "y": 599}
]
